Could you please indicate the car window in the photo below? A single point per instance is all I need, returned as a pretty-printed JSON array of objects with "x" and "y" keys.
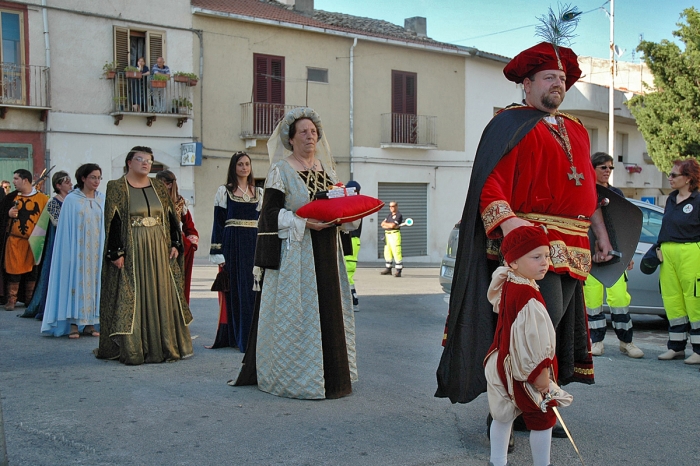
[{"x": 651, "y": 224}]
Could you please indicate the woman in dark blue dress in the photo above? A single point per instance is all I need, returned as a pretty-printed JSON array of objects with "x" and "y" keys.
[{"x": 235, "y": 230}]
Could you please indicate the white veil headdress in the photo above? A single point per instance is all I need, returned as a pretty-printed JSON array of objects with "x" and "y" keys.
[{"x": 278, "y": 145}]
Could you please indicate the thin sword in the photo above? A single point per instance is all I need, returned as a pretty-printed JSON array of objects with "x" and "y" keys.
[{"x": 543, "y": 406}]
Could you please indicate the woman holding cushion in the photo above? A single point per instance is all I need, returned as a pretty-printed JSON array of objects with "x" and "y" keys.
[{"x": 305, "y": 345}]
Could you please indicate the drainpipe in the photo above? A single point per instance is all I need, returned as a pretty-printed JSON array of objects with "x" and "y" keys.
[
  {"x": 200, "y": 36},
  {"x": 47, "y": 150},
  {"x": 352, "y": 108}
]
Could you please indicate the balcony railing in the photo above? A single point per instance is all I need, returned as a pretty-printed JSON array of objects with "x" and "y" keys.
[
  {"x": 140, "y": 95},
  {"x": 401, "y": 129},
  {"x": 259, "y": 119},
  {"x": 24, "y": 85}
]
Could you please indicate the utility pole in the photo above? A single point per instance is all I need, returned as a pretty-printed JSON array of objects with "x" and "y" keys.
[{"x": 611, "y": 92}]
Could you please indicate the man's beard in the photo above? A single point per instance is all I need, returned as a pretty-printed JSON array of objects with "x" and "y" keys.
[{"x": 548, "y": 102}]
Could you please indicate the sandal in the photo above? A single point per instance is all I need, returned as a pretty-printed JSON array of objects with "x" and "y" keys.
[
  {"x": 74, "y": 335},
  {"x": 91, "y": 332}
]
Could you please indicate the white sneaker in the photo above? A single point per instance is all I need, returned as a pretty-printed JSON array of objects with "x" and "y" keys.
[
  {"x": 597, "y": 348},
  {"x": 693, "y": 359},
  {"x": 631, "y": 350}
]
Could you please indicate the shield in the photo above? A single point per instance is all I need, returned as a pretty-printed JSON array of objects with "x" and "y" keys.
[{"x": 623, "y": 221}]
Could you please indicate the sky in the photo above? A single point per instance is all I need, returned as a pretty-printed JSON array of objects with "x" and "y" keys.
[{"x": 483, "y": 23}]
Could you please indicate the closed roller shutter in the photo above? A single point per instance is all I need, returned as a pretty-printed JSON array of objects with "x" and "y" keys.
[{"x": 413, "y": 203}]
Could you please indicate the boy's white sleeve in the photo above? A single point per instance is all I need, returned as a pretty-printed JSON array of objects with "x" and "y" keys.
[{"x": 532, "y": 341}]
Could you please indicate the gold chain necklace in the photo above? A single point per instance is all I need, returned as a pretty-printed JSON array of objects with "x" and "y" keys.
[
  {"x": 562, "y": 137},
  {"x": 304, "y": 166}
]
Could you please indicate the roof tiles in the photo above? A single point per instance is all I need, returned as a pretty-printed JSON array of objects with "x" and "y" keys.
[{"x": 275, "y": 11}]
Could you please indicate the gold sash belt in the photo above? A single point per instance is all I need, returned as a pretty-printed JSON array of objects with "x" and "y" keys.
[
  {"x": 145, "y": 221},
  {"x": 234, "y": 222},
  {"x": 568, "y": 226}
]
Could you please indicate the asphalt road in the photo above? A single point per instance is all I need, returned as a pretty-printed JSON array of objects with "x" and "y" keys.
[{"x": 61, "y": 406}]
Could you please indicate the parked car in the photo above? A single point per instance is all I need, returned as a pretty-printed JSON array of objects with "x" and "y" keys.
[{"x": 644, "y": 289}]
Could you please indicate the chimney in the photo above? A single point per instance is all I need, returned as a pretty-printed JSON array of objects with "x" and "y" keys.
[
  {"x": 417, "y": 25},
  {"x": 305, "y": 7}
]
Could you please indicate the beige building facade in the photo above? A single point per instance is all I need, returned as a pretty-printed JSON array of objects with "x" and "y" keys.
[{"x": 392, "y": 110}]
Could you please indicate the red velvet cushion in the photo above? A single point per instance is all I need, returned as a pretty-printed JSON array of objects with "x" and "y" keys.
[{"x": 341, "y": 209}]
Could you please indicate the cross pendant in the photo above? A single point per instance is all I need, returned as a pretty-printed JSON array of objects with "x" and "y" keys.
[{"x": 575, "y": 176}]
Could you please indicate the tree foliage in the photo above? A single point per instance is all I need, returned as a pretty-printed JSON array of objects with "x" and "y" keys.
[{"x": 669, "y": 118}]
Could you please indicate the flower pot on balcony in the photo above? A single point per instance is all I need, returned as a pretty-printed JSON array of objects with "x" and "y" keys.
[
  {"x": 133, "y": 74},
  {"x": 192, "y": 82},
  {"x": 158, "y": 84},
  {"x": 180, "y": 79},
  {"x": 183, "y": 110},
  {"x": 110, "y": 74}
]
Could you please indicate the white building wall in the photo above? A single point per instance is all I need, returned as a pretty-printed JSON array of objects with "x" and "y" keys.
[{"x": 80, "y": 129}]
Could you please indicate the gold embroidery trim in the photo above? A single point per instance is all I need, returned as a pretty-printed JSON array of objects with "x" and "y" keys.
[
  {"x": 580, "y": 370},
  {"x": 495, "y": 213},
  {"x": 270, "y": 233},
  {"x": 145, "y": 221},
  {"x": 234, "y": 222},
  {"x": 576, "y": 260},
  {"x": 216, "y": 246},
  {"x": 569, "y": 226}
]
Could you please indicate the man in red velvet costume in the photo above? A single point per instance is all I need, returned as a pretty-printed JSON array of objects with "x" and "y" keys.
[{"x": 532, "y": 167}]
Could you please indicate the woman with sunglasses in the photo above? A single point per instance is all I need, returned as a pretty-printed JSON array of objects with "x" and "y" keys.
[
  {"x": 42, "y": 241},
  {"x": 678, "y": 249},
  {"x": 618, "y": 297},
  {"x": 143, "y": 311},
  {"x": 73, "y": 298}
]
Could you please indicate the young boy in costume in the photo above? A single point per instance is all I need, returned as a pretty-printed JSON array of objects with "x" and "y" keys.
[{"x": 521, "y": 364}]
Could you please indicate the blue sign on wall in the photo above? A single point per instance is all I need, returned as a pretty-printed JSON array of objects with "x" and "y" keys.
[
  {"x": 649, "y": 199},
  {"x": 191, "y": 154}
]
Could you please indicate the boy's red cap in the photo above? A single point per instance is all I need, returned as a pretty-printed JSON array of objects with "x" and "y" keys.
[
  {"x": 521, "y": 241},
  {"x": 543, "y": 57}
]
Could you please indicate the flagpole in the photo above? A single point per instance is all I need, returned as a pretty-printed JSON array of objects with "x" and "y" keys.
[{"x": 611, "y": 91}]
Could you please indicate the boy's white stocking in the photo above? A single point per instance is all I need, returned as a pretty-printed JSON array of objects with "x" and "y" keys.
[
  {"x": 500, "y": 435},
  {"x": 541, "y": 446}
]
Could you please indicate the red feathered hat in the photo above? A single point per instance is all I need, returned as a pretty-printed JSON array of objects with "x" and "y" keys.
[
  {"x": 543, "y": 56},
  {"x": 521, "y": 241}
]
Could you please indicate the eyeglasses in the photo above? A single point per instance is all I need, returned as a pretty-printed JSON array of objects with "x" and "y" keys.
[
  {"x": 674, "y": 175},
  {"x": 94, "y": 178},
  {"x": 605, "y": 167},
  {"x": 392, "y": 205},
  {"x": 140, "y": 159}
]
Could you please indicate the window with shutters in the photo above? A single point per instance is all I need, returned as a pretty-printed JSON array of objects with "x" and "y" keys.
[
  {"x": 404, "y": 122},
  {"x": 268, "y": 92},
  {"x": 131, "y": 44},
  {"x": 11, "y": 57}
]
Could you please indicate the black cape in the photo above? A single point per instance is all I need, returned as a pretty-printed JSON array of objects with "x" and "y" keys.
[{"x": 471, "y": 322}]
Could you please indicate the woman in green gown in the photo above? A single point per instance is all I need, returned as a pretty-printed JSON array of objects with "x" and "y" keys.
[{"x": 143, "y": 311}]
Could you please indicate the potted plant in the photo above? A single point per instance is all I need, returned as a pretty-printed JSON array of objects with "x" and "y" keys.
[
  {"x": 132, "y": 72},
  {"x": 159, "y": 80},
  {"x": 188, "y": 78},
  {"x": 109, "y": 70},
  {"x": 183, "y": 105}
]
